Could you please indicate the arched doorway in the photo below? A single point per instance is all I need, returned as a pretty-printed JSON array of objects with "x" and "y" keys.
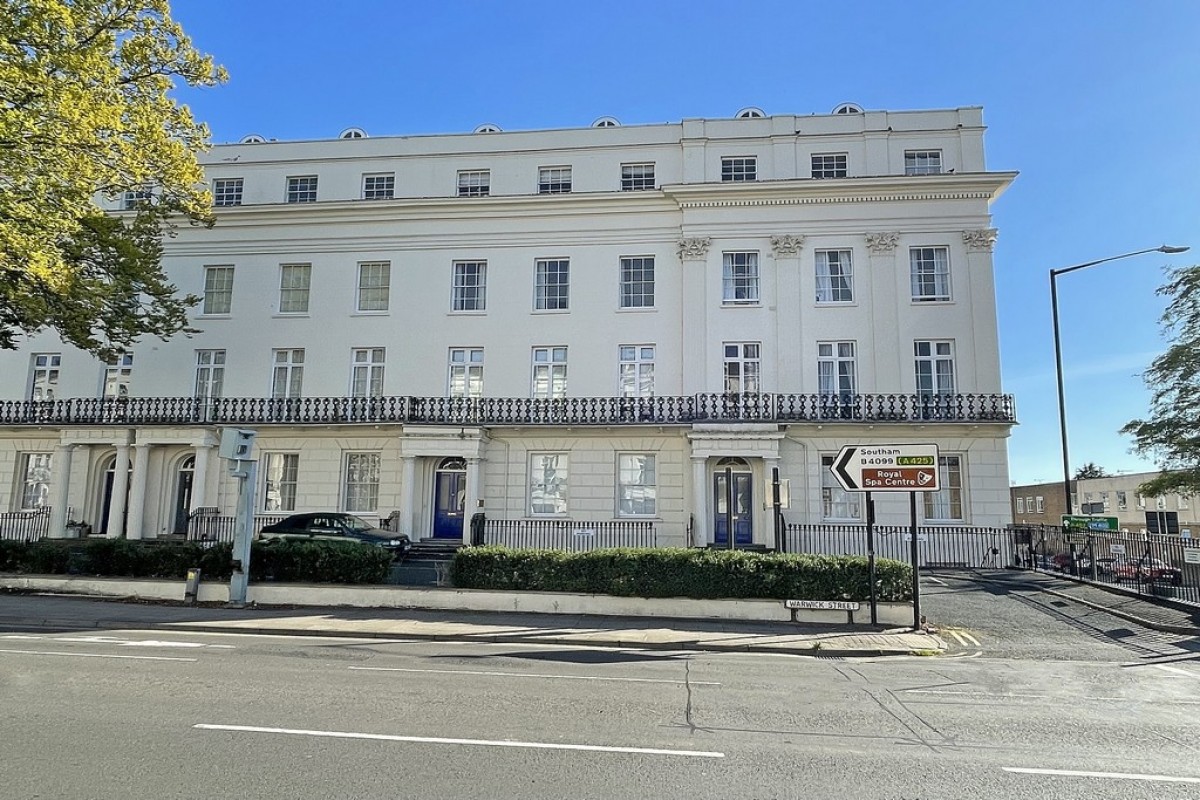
[
  {"x": 733, "y": 502},
  {"x": 184, "y": 476},
  {"x": 449, "y": 498},
  {"x": 106, "y": 494}
]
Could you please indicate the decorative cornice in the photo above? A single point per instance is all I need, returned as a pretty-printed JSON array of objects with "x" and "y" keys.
[
  {"x": 981, "y": 240},
  {"x": 695, "y": 248},
  {"x": 882, "y": 243},
  {"x": 789, "y": 244}
]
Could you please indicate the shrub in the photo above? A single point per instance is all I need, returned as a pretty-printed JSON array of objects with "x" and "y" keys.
[
  {"x": 313, "y": 562},
  {"x": 678, "y": 572}
]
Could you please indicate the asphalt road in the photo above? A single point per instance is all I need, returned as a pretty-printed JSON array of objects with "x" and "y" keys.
[{"x": 1040, "y": 708}]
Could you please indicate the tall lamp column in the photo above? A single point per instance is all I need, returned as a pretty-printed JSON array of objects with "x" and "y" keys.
[{"x": 1062, "y": 399}]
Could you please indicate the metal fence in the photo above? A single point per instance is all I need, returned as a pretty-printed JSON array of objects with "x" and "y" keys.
[
  {"x": 565, "y": 534},
  {"x": 24, "y": 526},
  {"x": 206, "y": 525},
  {"x": 1150, "y": 564},
  {"x": 985, "y": 548}
]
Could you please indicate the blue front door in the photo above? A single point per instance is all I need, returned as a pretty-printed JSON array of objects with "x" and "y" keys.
[
  {"x": 743, "y": 508},
  {"x": 450, "y": 496}
]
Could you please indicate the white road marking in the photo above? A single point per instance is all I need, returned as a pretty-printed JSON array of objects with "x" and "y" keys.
[
  {"x": 934, "y": 580},
  {"x": 1176, "y": 671},
  {"x": 94, "y": 655},
  {"x": 118, "y": 642},
  {"x": 958, "y": 636},
  {"x": 1013, "y": 696},
  {"x": 972, "y": 639},
  {"x": 1128, "y": 776},
  {"x": 475, "y": 742},
  {"x": 534, "y": 675}
]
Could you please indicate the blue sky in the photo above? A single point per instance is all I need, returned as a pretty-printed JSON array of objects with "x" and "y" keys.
[{"x": 1095, "y": 103}]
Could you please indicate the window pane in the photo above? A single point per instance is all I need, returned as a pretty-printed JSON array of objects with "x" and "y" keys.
[
  {"x": 548, "y": 483},
  {"x": 637, "y": 489},
  {"x": 362, "y": 482},
  {"x": 740, "y": 278},
  {"x": 35, "y": 491},
  {"x": 637, "y": 282},
  {"x": 218, "y": 290}
]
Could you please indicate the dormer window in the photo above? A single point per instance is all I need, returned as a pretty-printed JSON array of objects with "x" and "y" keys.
[
  {"x": 741, "y": 168},
  {"x": 922, "y": 162},
  {"x": 554, "y": 180},
  {"x": 750, "y": 112}
]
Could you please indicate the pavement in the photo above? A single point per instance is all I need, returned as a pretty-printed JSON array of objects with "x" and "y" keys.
[
  {"x": 71, "y": 612},
  {"x": 24, "y": 611}
]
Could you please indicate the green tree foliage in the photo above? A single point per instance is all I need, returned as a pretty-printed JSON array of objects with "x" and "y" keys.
[
  {"x": 86, "y": 113},
  {"x": 1171, "y": 436},
  {"x": 1090, "y": 470}
]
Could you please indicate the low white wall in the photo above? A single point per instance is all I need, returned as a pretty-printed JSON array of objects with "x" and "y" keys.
[{"x": 303, "y": 594}]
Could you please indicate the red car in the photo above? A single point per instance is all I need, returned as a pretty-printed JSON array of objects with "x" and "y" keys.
[{"x": 1146, "y": 570}]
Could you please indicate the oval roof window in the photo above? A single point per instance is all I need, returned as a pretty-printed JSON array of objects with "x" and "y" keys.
[
  {"x": 488, "y": 127},
  {"x": 252, "y": 138},
  {"x": 606, "y": 122},
  {"x": 848, "y": 108},
  {"x": 353, "y": 133},
  {"x": 749, "y": 112}
]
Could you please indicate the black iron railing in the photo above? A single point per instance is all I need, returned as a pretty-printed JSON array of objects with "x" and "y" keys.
[
  {"x": 1150, "y": 564},
  {"x": 937, "y": 546},
  {"x": 875, "y": 408},
  {"x": 567, "y": 534},
  {"x": 25, "y": 526}
]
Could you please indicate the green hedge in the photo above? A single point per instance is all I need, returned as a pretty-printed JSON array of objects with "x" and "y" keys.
[
  {"x": 678, "y": 572},
  {"x": 298, "y": 561}
]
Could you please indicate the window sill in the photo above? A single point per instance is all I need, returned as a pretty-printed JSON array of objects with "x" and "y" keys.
[
  {"x": 638, "y": 310},
  {"x": 835, "y": 303},
  {"x": 214, "y": 316},
  {"x": 467, "y": 313},
  {"x": 543, "y": 311},
  {"x": 290, "y": 315},
  {"x": 370, "y": 313},
  {"x": 741, "y": 304}
]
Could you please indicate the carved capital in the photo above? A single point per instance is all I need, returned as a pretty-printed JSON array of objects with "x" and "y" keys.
[
  {"x": 882, "y": 243},
  {"x": 694, "y": 248},
  {"x": 788, "y": 244},
  {"x": 981, "y": 240}
]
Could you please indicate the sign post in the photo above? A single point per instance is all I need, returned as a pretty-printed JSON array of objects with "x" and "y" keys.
[
  {"x": 871, "y": 558},
  {"x": 907, "y": 468},
  {"x": 237, "y": 448}
]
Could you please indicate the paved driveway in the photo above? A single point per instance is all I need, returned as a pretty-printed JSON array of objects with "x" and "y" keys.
[{"x": 1008, "y": 616}]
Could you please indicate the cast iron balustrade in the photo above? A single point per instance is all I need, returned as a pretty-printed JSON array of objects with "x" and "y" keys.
[
  {"x": 568, "y": 534},
  {"x": 492, "y": 411}
]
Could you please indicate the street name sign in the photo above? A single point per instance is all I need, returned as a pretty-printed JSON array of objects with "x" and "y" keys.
[
  {"x": 887, "y": 468},
  {"x": 1077, "y": 523},
  {"x": 822, "y": 605}
]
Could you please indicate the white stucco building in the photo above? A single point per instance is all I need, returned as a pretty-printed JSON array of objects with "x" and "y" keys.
[{"x": 595, "y": 325}]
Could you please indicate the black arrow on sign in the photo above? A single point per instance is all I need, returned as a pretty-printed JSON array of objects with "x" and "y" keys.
[{"x": 840, "y": 468}]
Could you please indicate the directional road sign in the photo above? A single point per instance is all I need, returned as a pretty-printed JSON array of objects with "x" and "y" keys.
[
  {"x": 887, "y": 468},
  {"x": 1077, "y": 523}
]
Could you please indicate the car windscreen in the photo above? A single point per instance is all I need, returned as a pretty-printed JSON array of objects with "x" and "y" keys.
[{"x": 355, "y": 524}]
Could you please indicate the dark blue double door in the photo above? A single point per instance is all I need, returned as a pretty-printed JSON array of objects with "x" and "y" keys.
[
  {"x": 733, "y": 492},
  {"x": 449, "y": 503}
]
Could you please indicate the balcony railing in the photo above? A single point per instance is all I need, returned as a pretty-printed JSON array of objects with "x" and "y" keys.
[{"x": 873, "y": 408}]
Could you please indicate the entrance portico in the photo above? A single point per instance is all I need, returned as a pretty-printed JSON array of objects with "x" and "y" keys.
[{"x": 731, "y": 470}]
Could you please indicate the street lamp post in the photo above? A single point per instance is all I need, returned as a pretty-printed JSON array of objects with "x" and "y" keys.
[{"x": 1062, "y": 400}]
